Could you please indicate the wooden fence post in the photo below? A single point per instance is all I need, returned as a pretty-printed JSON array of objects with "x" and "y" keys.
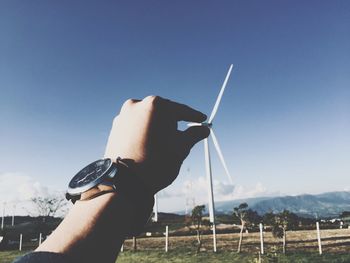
[{"x": 134, "y": 243}]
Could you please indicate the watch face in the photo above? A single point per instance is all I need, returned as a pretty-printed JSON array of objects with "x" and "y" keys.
[{"x": 90, "y": 174}]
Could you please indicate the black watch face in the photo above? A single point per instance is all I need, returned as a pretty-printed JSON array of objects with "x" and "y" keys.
[{"x": 90, "y": 173}]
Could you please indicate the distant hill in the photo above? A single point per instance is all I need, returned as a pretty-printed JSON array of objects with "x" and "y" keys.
[{"x": 329, "y": 204}]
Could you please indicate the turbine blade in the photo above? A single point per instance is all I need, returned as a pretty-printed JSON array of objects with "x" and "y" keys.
[
  {"x": 216, "y": 106},
  {"x": 217, "y": 147}
]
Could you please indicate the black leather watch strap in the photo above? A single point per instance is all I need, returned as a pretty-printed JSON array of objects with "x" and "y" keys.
[{"x": 134, "y": 191}]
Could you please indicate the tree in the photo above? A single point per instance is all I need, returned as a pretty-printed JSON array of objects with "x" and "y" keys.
[
  {"x": 345, "y": 217},
  {"x": 283, "y": 222},
  {"x": 345, "y": 214},
  {"x": 269, "y": 218},
  {"x": 197, "y": 221},
  {"x": 49, "y": 205},
  {"x": 246, "y": 218},
  {"x": 240, "y": 215}
]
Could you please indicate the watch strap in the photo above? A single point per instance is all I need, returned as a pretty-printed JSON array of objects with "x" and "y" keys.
[
  {"x": 130, "y": 190},
  {"x": 97, "y": 191},
  {"x": 134, "y": 191}
]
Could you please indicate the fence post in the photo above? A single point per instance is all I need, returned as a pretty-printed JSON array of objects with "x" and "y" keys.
[
  {"x": 134, "y": 244},
  {"x": 261, "y": 238},
  {"x": 40, "y": 237},
  {"x": 319, "y": 238},
  {"x": 20, "y": 242},
  {"x": 166, "y": 238},
  {"x": 3, "y": 215}
]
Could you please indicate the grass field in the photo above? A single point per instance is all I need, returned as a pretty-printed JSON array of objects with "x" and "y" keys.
[
  {"x": 301, "y": 247},
  {"x": 179, "y": 256}
]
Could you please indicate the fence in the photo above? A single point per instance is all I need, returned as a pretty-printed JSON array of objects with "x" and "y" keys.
[
  {"x": 327, "y": 241},
  {"x": 324, "y": 241}
]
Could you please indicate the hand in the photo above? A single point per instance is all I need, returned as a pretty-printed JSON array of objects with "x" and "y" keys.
[{"x": 145, "y": 131}]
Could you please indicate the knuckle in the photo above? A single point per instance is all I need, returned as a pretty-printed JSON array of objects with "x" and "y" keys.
[
  {"x": 152, "y": 100},
  {"x": 128, "y": 103},
  {"x": 115, "y": 120}
]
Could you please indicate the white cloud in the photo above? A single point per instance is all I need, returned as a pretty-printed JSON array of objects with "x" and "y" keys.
[
  {"x": 174, "y": 197},
  {"x": 199, "y": 188},
  {"x": 243, "y": 192},
  {"x": 17, "y": 189}
]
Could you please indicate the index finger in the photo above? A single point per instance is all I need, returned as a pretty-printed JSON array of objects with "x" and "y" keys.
[{"x": 182, "y": 112}]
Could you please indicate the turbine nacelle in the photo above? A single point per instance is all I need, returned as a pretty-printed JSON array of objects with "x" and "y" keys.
[{"x": 208, "y": 124}]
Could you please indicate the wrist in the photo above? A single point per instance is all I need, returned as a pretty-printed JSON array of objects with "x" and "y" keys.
[{"x": 105, "y": 177}]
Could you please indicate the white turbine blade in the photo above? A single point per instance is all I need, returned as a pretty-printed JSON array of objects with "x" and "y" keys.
[
  {"x": 216, "y": 106},
  {"x": 217, "y": 147}
]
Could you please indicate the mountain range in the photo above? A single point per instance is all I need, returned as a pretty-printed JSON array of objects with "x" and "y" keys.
[{"x": 325, "y": 205}]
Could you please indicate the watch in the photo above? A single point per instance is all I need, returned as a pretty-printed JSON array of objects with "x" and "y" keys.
[
  {"x": 94, "y": 179},
  {"x": 105, "y": 176}
]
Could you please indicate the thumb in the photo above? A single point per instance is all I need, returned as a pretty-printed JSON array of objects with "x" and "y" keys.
[{"x": 195, "y": 134}]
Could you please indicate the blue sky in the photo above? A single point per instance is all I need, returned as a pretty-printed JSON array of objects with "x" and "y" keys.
[{"x": 284, "y": 121}]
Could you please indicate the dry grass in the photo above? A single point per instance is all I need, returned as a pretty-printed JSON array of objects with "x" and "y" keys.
[
  {"x": 333, "y": 241},
  {"x": 301, "y": 247}
]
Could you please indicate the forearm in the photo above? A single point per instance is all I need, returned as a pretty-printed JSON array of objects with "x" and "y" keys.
[
  {"x": 93, "y": 231},
  {"x": 145, "y": 134}
]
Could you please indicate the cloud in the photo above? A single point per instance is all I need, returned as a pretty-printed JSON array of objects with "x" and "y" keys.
[
  {"x": 20, "y": 187},
  {"x": 17, "y": 189},
  {"x": 243, "y": 192},
  {"x": 197, "y": 189},
  {"x": 224, "y": 189},
  {"x": 169, "y": 194}
]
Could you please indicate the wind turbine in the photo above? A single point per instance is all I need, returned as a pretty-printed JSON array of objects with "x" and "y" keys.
[{"x": 209, "y": 124}]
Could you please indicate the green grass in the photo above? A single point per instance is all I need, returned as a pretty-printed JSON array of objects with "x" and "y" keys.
[
  {"x": 188, "y": 256},
  {"x": 225, "y": 256},
  {"x": 179, "y": 256},
  {"x": 9, "y": 256}
]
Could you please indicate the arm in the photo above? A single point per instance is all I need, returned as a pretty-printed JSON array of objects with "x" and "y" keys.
[{"x": 144, "y": 132}]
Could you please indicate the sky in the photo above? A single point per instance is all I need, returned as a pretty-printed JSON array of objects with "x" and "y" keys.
[{"x": 283, "y": 124}]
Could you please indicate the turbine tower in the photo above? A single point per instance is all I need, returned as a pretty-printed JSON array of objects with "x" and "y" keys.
[
  {"x": 207, "y": 156},
  {"x": 155, "y": 209},
  {"x": 190, "y": 200}
]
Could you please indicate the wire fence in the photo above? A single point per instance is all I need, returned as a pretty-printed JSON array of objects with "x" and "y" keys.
[{"x": 331, "y": 241}]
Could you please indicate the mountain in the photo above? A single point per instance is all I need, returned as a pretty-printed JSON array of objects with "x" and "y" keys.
[{"x": 324, "y": 205}]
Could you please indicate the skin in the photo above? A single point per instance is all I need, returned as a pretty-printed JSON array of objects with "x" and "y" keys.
[{"x": 145, "y": 132}]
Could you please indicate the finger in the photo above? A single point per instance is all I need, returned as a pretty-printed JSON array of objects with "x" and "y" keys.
[
  {"x": 195, "y": 134},
  {"x": 182, "y": 112},
  {"x": 128, "y": 104}
]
